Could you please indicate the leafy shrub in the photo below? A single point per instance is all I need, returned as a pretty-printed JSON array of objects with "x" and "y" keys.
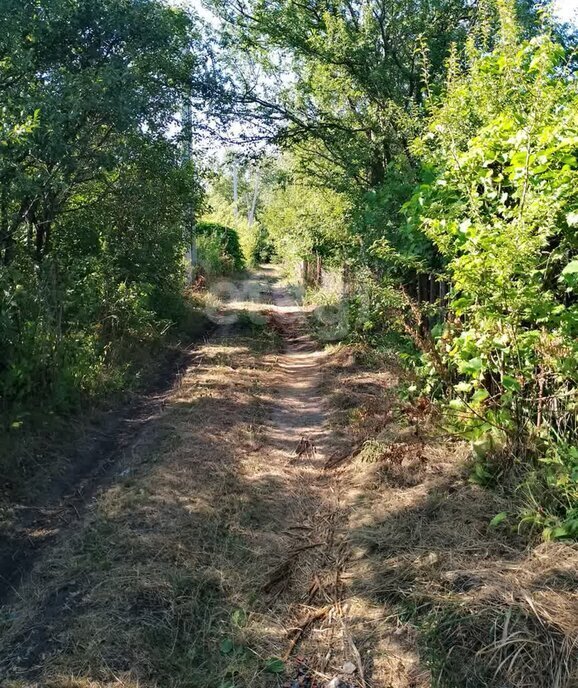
[
  {"x": 303, "y": 221},
  {"x": 94, "y": 195},
  {"x": 219, "y": 249},
  {"x": 253, "y": 237},
  {"x": 499, "y": 205}
]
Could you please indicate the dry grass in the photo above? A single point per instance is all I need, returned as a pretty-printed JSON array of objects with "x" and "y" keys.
[
  {"x": 439, "y": 597},
  {"x": 214, "y": 549},
  {"x": 206, "y": 555},
  {"x": 146, "y": 591}
]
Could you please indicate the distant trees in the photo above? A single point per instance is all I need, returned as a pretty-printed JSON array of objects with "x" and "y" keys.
[
  {"x": 235, "y": 197},
  {"x": 307, "y": 225}
]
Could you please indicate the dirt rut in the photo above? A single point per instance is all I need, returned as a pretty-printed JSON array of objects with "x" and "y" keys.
[{"x": 297, "y": 426}]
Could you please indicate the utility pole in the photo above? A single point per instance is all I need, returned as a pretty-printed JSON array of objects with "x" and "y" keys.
[{"x": 190, "y": 234}]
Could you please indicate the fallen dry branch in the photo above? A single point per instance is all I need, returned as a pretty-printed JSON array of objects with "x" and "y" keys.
[
  {"x": 305, "y": 448},
  {"x": 298, "y": 632},
  {"x": 279, "y": 576},
  {"x": 304, "y": 548},
  {"x": 338, "y": 457}
]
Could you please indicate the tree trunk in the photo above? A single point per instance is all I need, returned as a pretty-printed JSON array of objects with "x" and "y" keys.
[
  {"x": 253, "y": 208},
  {"x": 235, "y": 190}
]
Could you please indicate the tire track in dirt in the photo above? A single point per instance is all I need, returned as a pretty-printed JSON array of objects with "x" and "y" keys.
[{"x": 91, "y": 466}]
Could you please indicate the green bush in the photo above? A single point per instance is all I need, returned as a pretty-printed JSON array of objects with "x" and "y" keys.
[
  {"x": 219, "y": 249},
  {"x": 93, "y": 195},
  {"x": 499, "y": 204}
]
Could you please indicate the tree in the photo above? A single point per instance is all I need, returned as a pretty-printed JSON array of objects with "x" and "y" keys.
[
  {"x": 360, "y": 71},
  {"x": 305, "y": 223},
  {"x": 93, "y": 190}
]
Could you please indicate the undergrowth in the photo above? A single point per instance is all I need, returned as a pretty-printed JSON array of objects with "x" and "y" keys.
[
  {"x": 459, "y": 596},
  {"x": 38, "y": 436}
]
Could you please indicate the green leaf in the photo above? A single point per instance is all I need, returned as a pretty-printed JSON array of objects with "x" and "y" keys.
[
  {"x": 560, "y": 532},
  {"x": 480, "y": 475},
  {"x": 471, "y": 367},
  {"x": 480, "y": 395},
  {"x": 570, "y": 269},
  {"x": 239, "y": 617},
  {"x": 274, "y": 665},
  {"x": 572, "y": 219},
  {"x": 510, "y": 383},
  {"x": 499, "y": 518},
  {"x": 519, "y": 159},
  {"x": 227, "y": 646},
  {"x": 461, "y": 305}
]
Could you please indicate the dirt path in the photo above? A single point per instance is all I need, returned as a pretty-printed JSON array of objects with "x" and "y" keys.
[
  {"x": 218, "y": 531},
  {"x": 301, "y": 412},
  {"x": 239, "y": 542},
  {"x": 85, "y": 465}
]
